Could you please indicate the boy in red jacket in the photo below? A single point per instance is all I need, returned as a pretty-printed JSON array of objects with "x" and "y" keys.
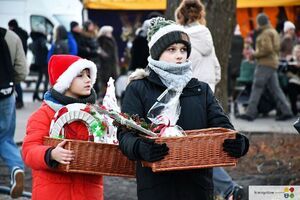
[{"x": 72, "y": 79}]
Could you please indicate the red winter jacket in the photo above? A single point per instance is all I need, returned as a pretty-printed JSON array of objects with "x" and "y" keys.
[{"x": 48, "y": 184}]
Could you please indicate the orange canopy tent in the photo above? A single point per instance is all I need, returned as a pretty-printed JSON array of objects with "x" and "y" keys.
[{"x": 247, "y": 11}]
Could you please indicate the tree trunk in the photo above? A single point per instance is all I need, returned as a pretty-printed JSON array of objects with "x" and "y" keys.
[
  {"x": 221, "y": 20},
  {"x": 171, "y": 7}
]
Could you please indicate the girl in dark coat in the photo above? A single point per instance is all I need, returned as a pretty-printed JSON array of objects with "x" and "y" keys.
[{"x": 169, "y": 68}]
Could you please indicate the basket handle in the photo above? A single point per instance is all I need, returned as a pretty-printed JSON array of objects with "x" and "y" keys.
[{"x": 70, "y": 116}]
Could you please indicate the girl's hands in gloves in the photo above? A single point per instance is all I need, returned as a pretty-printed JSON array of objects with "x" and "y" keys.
[
  {"x": 62, "y": 155},
  {"x": 150, "y": 151},
  {"x": 237, "y": 147}
]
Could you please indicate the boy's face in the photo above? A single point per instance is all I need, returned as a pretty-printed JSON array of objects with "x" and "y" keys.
[
  {"x": 81, "y": 85},
  {"x": 175, "y": 53}
]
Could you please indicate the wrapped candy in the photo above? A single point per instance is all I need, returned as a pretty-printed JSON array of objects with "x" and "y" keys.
[{"x": 164, "y": 114}]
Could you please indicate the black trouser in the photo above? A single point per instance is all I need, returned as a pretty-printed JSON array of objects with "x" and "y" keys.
[{"x": 293, "y": 92}]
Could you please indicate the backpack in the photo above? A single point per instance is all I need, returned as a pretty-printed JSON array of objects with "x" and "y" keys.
[
  {"x": 6, "y": 68},
  {"x": 61, "y": 47}
]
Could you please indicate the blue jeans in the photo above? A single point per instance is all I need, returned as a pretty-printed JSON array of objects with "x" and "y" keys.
[
  {"x": 223, "y": 183},
  {"x": 9, "y": 151}
]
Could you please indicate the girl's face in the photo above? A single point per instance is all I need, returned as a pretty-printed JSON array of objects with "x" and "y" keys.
[
  {"x": 81, "y": 85},
  {"x": 175, "y": 53}
]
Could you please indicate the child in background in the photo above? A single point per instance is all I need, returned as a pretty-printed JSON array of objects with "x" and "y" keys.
[
  {"x": 248, "y": 49},
  {"x": 170, "y": 48},
  {"x": 72, "y": 79}
]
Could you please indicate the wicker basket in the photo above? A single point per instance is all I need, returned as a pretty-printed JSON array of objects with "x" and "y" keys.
[
  {"x": 199, "y": 149},
  {"x": 95, "y": 158}
]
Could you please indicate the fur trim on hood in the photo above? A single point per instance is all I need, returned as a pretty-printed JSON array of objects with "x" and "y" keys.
[{"x": 138, "y": 74}]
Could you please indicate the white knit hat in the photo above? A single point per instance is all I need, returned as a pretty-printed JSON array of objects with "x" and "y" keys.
[{"x": 288, "y": 25}]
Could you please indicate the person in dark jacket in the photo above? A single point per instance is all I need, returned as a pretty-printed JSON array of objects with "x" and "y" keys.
[
  {"x": 169, "y": 68},
  {"x": 235, "y": 59},
  {"x": 108, "y": 57},
  {"x": 23, "y": 35},
  {"x": 139, "y": 50},
  {"x": 87, "y": 44},
  {"x": 39, "y": 50}
]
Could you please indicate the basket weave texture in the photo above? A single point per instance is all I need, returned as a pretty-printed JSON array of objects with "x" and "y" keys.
[
  {"x": 95, "y": 158},
  {"x": 201, "y": 148}
]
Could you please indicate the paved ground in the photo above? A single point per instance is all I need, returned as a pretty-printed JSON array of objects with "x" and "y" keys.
[{"x": 116, "y": 188}]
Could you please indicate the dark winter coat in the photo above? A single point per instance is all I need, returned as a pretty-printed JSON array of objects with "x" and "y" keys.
[
  {"x": 139, "y": 53},
  {"x": 83, "y": 50},
  {"x": 23, "y": 36},
  {"x": 199, "y": 109},
  {"x": 39, "y": 48},
  {"x": 108, "y": 58},
  {"x": 87, "y": 46},
  {"x": 236, "y": 56}
]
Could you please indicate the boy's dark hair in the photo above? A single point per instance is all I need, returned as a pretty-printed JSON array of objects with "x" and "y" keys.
[
  {"x": 73, "y": 24},
  {"x": 13, "y": 23}
]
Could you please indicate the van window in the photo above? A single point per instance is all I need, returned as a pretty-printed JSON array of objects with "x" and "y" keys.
[{"x": 37, "y": 20}]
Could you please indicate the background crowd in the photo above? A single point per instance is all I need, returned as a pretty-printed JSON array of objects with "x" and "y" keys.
[{"x": 266, "y": 62}]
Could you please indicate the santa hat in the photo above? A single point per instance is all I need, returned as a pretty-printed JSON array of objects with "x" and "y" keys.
[{"x": 63, "y": 69}]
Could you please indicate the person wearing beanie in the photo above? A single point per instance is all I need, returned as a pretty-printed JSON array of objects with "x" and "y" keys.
[
  {"x": 288, "y": 26},
  {"x": 169, "y": 69},
  {"x": 71, "y": 79},
  {"x": 108, "y": 56},
  {"x": 265, "y": 76},
  {"x": 288, "y": 41},
  {"x": 262, "y": 19}
]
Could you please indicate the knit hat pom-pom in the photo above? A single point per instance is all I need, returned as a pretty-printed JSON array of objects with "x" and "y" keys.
[{"x": 157, "y": 23}]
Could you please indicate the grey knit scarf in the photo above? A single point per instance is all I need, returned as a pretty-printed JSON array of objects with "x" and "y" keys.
[{"x": 174, "y": 76}]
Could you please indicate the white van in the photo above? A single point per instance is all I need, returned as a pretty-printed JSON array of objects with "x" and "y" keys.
[
  {"x": 50, "y": 13},
  {"x": 33, "y": 13}
]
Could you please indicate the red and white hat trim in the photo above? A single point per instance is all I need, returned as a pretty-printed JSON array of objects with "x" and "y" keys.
[{"x": 64, "y": 81}]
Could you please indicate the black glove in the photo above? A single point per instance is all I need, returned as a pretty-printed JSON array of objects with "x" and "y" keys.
[
  {"x": 148, "y": 150},
  {"x": 237, "y": 147},
  {"x": 297, "y": 125}
]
